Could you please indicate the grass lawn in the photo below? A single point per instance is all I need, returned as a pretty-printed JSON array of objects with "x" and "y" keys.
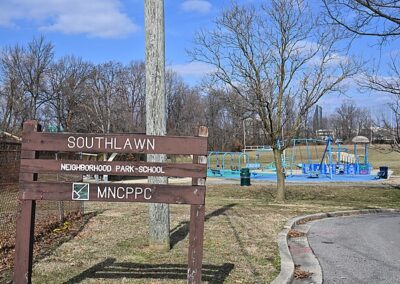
[
  {"x": 382, "y": 155},
  {"x": 241, "y": 227}
]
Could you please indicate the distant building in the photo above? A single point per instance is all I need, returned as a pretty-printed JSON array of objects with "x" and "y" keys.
[
  {"x": 317, "y": 118},
  {"x": 324, "y": 133}
]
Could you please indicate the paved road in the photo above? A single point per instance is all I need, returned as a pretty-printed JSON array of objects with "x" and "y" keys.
[{"x": 361, "y": 249}]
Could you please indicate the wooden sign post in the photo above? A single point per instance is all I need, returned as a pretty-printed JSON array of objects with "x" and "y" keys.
[{"x": 32, "y": 189}]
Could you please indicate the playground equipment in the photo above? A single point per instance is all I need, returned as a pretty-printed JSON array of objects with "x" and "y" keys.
[
  {"x": 257, "y": 148},
  {"x": 222, "y": 163},
  {"x": 334, "y": 160},
  {"x": 310, "y": 158},
  {"x": 314, "y": 165},
  {"x": 222, "y": 158}
]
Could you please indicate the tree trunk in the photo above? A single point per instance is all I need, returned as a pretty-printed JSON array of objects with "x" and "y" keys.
[
  {"x": 156, "y": 113},
  {"x": 280, "y": 174}
]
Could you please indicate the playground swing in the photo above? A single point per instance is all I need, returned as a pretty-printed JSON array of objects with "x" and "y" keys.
[
  {"x": 315, "y": 164},
  {"x": 312, "y": 173},
  {"x": 220, "y": 163},
  {"x": 231, "y": 161},
  {"x": 215, "y": 171}
]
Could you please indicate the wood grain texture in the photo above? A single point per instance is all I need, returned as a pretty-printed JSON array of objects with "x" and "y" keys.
[
  {"x": 196, "y": 231},
  {"x": 158, "y": 193},
  {"x": 156, "y": 112},
  {"x": 113, "y": 168},
  {"x": 25, "y": 230},
  {"x": 196, "y": 227},
  {"x": 114, "y": 143}
]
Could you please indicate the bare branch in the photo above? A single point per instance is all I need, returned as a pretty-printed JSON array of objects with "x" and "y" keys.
[{"x": 365, "y": 17}]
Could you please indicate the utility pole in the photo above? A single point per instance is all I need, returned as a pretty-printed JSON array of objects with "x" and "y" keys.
[{"x": 156, "y": 114}]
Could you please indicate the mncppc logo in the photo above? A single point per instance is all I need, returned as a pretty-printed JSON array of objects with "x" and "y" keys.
[{"x": 80, "y": 191}]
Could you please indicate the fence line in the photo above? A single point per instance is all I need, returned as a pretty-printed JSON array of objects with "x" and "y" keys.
[{"x": 47, "y": 211}]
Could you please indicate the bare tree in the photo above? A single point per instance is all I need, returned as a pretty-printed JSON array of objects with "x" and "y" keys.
[
  {"x": 364, "y": 17},
  {"x": 31, "y": 65},
  {"x": 279, "y": 62},
  {"x": 350, "y": 120},
  {"x": 184, "y": 106},
  {"x": 133, "y": 93},
  {"x": 224, "y": 117},
  {"x": 102, "y": 96},
  {"x": 378, "y": 18},
  {"x": 394, "y": 126},
  {"x": 11, "y": 97},
  {"x": 390, "y": 126},
  {"x": 389, "y": 84},
  {"x": 68, "y": 80}
]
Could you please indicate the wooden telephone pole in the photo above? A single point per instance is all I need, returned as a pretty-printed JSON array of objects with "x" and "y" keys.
[{"x": 156, "y": 113}]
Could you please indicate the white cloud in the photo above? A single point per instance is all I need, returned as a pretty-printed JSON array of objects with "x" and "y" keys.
[
  {"x": 200, "y": 6},
  {"x": 305, "y": 46},
  {"x": 95, "y": 18},
  {"x": 195, "y": 69},
  {"x": 336, "y": 59},
  {"x": 332, "y": 60}
]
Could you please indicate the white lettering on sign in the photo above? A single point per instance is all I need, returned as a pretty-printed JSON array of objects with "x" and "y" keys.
[
  {"x": 123, "y": 192},
  {"x": 112, "y": 143},
  {"x": 125, "y": 169},
  {"x": 72, "y": 167},
  {"x": 85, "y": 168},
  {"x": 151, "y": 170}
]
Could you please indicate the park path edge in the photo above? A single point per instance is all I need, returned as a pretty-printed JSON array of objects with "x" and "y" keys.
[{"x": 286, "y": 275}]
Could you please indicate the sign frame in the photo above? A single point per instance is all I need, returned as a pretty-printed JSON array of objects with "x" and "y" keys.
[{"x": 33, "y": 141}]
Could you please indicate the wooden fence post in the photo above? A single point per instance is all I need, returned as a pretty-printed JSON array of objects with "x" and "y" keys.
[
  {"x": 26, "y": 219},
  {"x": 196, "y": 227}
]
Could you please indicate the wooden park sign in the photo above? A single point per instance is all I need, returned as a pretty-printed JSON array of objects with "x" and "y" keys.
[{"x": 31, "y": 189}]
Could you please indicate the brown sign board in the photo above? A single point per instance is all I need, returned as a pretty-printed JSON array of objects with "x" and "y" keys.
[
  {"x": 113, "y": 192},
  {"x": 114, "y": 143},
  {"x": 42, "y": 166},
  {"x": 32, "y": 188}
]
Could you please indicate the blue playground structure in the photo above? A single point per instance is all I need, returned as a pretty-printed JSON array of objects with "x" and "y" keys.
[
  {"x": 232, "y": 162},
  {"x": 308, "y": 158},
  {"x": 334, "y": 160}
]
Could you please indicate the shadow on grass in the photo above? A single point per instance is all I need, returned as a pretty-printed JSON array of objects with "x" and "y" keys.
[
  {"x": 46, "y": 242},
  {"x": 110, "y": 269},
  {"x": 182, "y": 230}
]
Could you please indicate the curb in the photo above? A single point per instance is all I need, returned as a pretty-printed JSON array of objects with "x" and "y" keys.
[{"x": 286, "y": 275}]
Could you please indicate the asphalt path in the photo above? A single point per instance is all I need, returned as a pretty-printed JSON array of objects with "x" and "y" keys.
[{"x": 358, "y": 249}]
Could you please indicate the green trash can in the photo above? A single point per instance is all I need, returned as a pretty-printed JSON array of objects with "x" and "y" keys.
[{"x": 244, "y": 177}]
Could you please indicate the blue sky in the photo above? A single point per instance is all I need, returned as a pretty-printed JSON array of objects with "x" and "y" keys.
[{"x": 104, "y": 30}]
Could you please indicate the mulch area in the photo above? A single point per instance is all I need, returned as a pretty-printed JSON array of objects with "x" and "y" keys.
[
  {"x": 301, "y": 274},
  {"x": 49, "y": 234},
  {"x": 295, "y": 234}
]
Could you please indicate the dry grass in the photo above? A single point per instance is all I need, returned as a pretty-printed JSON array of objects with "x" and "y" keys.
[
  {"x": 240, "y": 236},
  {"x": 383, "y": 155}
]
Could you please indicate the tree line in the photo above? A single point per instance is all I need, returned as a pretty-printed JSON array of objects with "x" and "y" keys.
[{"x": 71, "y": 94}]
